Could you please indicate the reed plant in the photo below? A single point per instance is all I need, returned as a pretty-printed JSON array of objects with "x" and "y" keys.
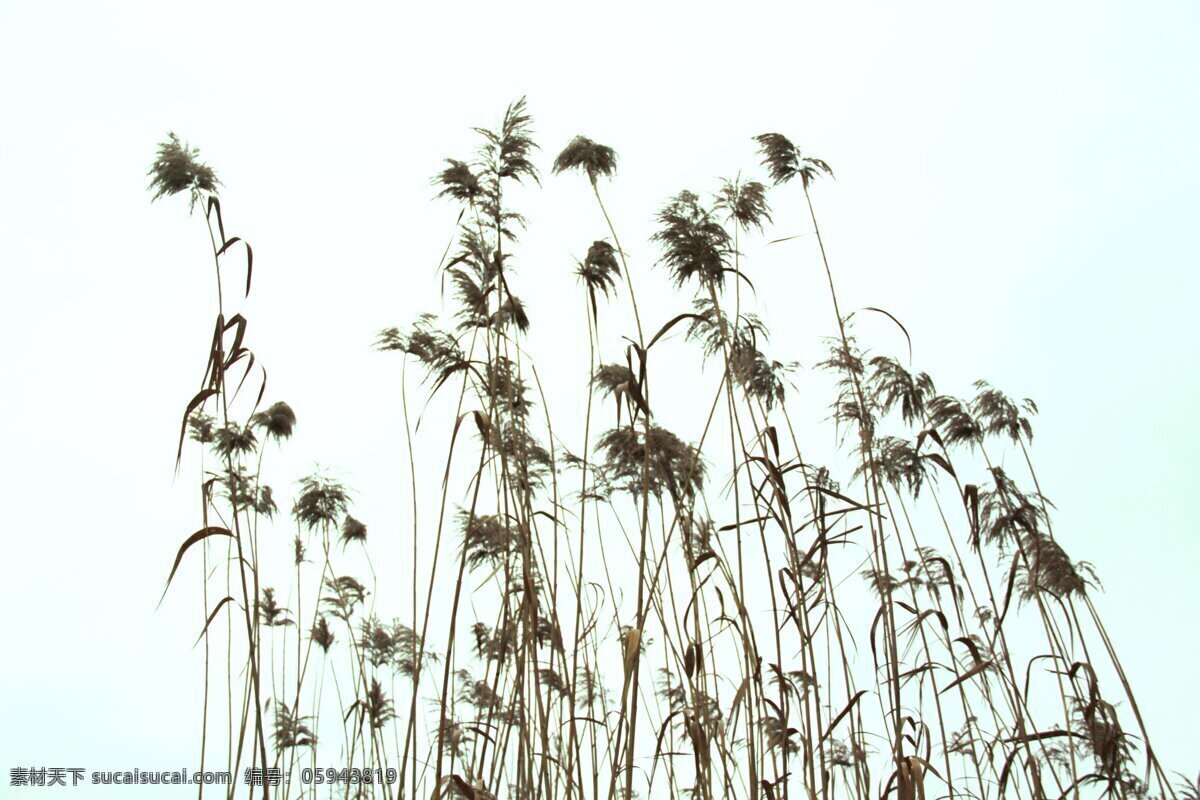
[{"x": 635, "y": 608}]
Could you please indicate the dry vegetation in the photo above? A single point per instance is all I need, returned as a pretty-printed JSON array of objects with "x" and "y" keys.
[{"x": 652, "y": 612}]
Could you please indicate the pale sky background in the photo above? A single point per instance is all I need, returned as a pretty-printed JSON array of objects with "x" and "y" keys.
[{"x": 1019, "y": 183}]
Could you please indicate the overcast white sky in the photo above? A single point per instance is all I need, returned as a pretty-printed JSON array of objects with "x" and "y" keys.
[{"x": 1019, "y": 183}]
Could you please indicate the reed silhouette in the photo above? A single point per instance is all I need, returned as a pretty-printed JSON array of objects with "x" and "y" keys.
[{"x": 659, "y": 612}]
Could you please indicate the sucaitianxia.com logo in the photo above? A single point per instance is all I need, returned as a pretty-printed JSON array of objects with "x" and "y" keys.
[{"x": 73, "y": 776}]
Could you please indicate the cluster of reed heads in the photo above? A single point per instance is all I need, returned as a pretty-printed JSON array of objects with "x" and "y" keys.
[{"x": 653, "y": 613}]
